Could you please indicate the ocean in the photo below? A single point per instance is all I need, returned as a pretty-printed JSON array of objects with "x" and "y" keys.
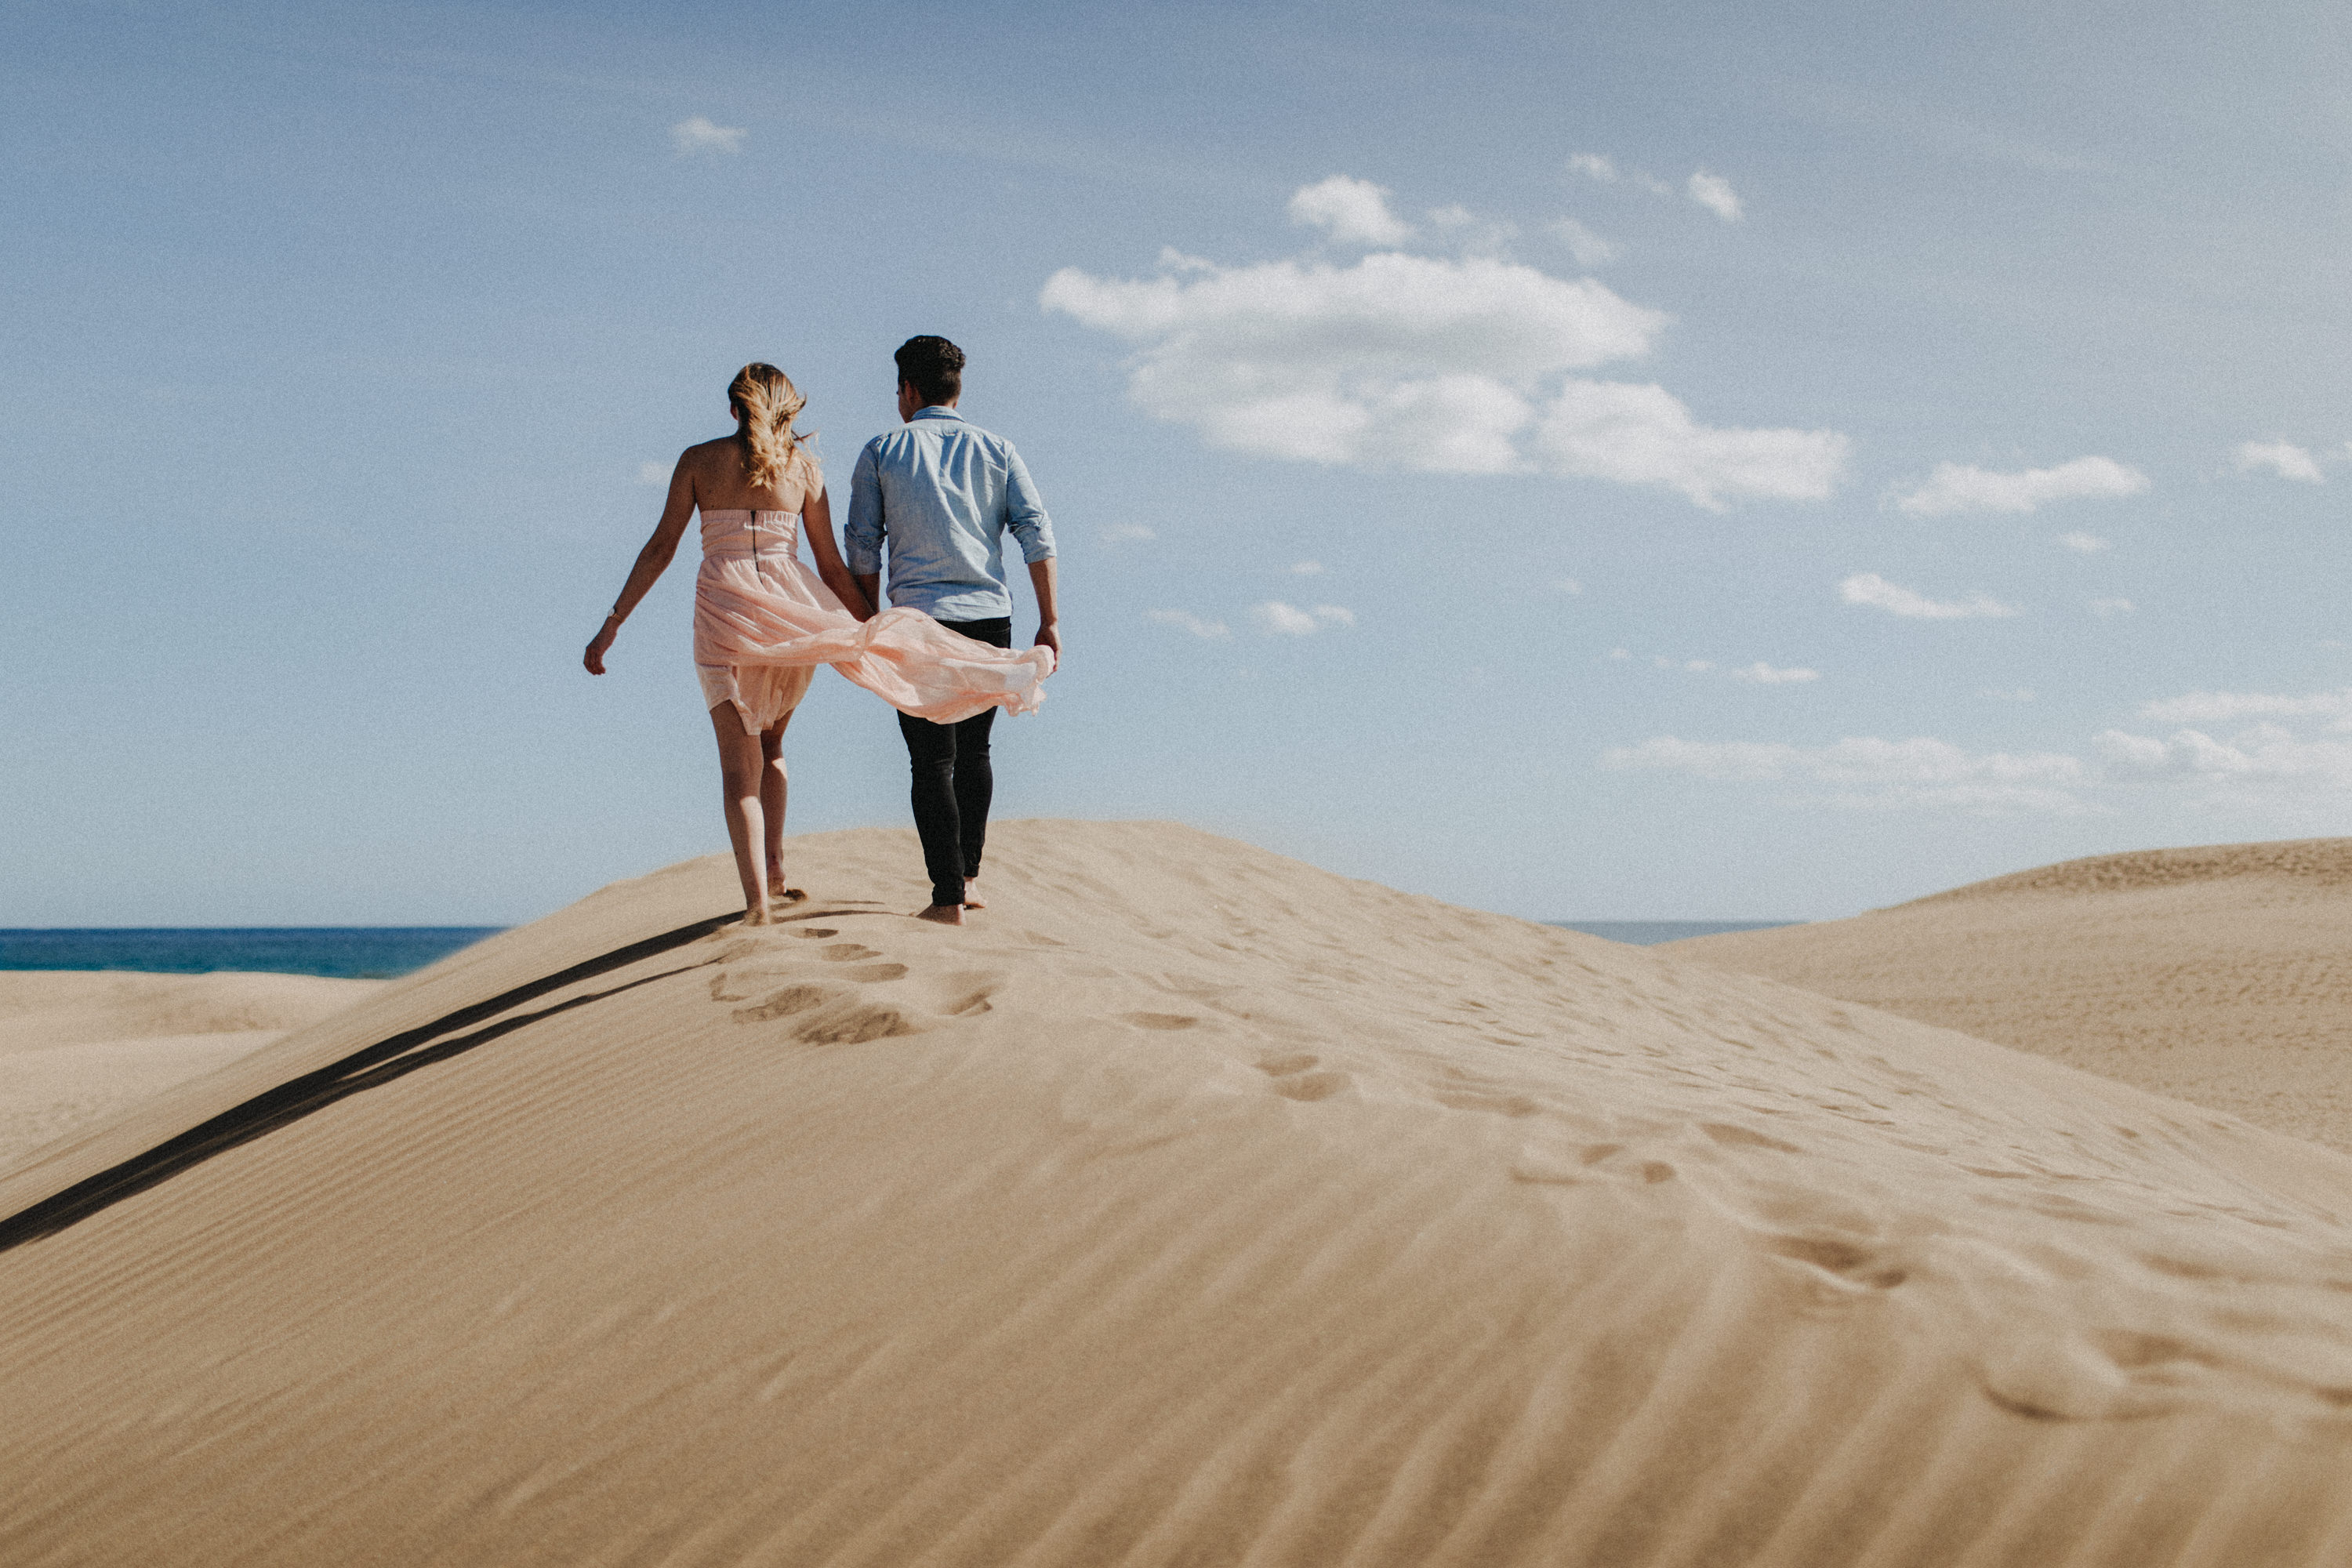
[
  {"x": 386, "y": 952},
  {"x": 1649, "y": 933},
  {"x": 345, "y": 953}
]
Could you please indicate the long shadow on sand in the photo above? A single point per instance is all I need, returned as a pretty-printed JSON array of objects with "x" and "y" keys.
[{"x": 363, "y": 1069}]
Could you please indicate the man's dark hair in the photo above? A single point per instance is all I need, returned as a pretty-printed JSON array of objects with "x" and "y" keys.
[{"x": 933, "y": 367}]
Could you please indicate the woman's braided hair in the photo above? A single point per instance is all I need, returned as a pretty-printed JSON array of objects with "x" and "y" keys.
[{"x": 765, "y": 404}]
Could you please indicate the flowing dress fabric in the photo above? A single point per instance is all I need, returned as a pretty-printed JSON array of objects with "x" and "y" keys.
[{"x": 764, "y": 621}]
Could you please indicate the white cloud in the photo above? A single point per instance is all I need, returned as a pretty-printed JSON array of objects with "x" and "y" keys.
[
  {"x": 1956, "y": 488},
  {"x": 1397, "y": 362},
  {"x": 1128, "y": 534},
  {"x": 2008, "y": 694},
  {"x": 1762, "y": 674},
  {"x": 2222, "y": 707},
  {"x": 699, "y": 135},
  {"x": 1439, "y": 364},
  {"x": 1592, "y": 165},
  {"x": 1587, "y": 248},
  {"x": 1714, "y": 192},
  {"x": 1569, "y": 585},
  {"x": 1355, "y": 212},
  {"x": 2104, "y": 608},
  {"x": 1290, "y": 620},
  {"x": 1307, "y": 568},
  {"x": 1187, "y": 621},
  {"x": 2266, "y": 759},
  {"x": 1870, "y": 588},
  {"x": 654, "y": 474},
  {"x": 2089, "y": 543},
  {"x": 2284, "y": 458},
  {"x": 1621, "y": 652},
  {"x": 1863, "y": 771},
  {"x": 1646, "y": 435}
]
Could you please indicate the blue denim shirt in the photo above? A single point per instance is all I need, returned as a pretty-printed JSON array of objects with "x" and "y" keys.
[{"x": 944, "y": 493}]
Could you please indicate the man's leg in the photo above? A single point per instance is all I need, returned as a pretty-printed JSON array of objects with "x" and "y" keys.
[
  {"x": 975, "y": 783},
  {"x": 931, "y": 754}
]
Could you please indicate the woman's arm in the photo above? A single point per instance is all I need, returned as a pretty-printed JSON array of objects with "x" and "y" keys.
[
  {"x": 652, "y": 562},
  {"x": 816, "y": 521}
]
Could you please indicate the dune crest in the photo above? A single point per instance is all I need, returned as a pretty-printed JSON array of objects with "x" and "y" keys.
[
  {"x": 2221, "y": 974},
  {"x": 1195, "y": 1207}
]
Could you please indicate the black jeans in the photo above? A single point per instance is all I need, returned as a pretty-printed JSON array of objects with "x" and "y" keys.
[{"x": 953, "y": 781}]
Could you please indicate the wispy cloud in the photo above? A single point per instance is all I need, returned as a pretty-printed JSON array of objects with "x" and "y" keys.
[
  {"x": 1354, "y": 212},
  {"x": 2265, "y": 761},
  {"x": 1290, "y": 620},
  {"x": 1185, "y": 620},
  {"x": 654, "y": 474},
  {"x": 2284, "y": 458},
  {"x": 2223, "y": 707},
  {"x": 1588, "y": 248},
  {"x": 1762, "y": 674},
  {"x": 2008, "y": 693},
  {"x": 2107, "y": 608},
  {"x": 2089, "y": 543},
  {"x": 1870, "y": 588},
  {"x": 1865, "y": 771},
  {"x": 700, "y": 135},
  {"x": 1594, "y": 166},
  {"x": 1567, "y": 585},
  {"x": 1958, "y": 488},
  {"x": 1714, "y": 192},
  {"x": 1441, "y": 365}
]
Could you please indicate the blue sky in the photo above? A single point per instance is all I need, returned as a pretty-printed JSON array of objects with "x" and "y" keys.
[{"x": 1587, "y": 462}]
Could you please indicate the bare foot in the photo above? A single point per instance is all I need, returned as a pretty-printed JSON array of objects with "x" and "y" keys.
[
  {"x": 781, "y": 894},
  {"x": 971, "y": 898},
  {"x": 943, "y": 914},
  {"x": 758, "y": 915}
]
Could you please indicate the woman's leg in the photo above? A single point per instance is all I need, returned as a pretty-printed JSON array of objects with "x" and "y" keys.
[
  {"x": 739, "y": 781},
  {"x": 775, "y": 792}
]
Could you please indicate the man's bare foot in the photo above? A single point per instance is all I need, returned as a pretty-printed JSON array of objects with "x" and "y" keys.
[
  {"x": 971, "y": 898},
  {"x": 758, "y": 915},
  {"x": 779, "y": 893},
  {"x": 942, "y": 914}
]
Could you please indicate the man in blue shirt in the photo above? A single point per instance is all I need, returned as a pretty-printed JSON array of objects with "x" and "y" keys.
[{"x": 941, "y": 494}]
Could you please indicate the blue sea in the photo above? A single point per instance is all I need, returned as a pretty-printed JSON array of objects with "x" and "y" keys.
[
  {"x": 1649, "y": 933},
  {"x": 345, "y": 953}
]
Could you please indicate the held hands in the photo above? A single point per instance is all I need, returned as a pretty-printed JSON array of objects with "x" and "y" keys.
[{"x": 603, "y": 643}]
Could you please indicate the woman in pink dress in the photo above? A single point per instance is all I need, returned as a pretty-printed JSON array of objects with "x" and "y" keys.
[{"x": 764, "y": 621}]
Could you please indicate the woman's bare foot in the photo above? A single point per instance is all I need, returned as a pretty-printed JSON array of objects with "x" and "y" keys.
[
  {"x": 943, "y": 914},
  {"x": 971, "y": 898},
  {"x": 779, "y": 893},
  {"x": 758, "y": 915}
]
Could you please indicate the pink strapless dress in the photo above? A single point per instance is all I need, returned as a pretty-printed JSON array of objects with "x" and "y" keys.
[{"x": 763, "y": 622}]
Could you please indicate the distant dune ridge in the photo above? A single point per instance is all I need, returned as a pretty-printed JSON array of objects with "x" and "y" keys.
[
  {"x": 77, "y": 1046},
  {"x": 1194, "y": 1206},
  {"x": 2221, "y": 973}
]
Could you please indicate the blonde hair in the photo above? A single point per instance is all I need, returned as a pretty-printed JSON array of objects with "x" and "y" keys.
[{"x": 765, "y": 404}]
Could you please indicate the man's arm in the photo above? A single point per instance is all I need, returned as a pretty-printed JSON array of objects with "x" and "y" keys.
[
  {"x": 1025, "y": 519},
  {"x": 861, "y": 535},
  {"x": 1049, "y": 620}
]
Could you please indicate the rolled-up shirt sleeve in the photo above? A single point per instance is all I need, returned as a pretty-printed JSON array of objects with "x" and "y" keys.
[
  {"x": 1024, "y": 510},
  {"x": 861, "y": 538}
]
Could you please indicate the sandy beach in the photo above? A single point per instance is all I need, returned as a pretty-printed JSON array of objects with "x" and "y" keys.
[{"x": 1192, "y": 1206}]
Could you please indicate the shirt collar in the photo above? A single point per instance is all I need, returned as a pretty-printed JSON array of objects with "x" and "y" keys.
[{"x": 936, "y": 411}]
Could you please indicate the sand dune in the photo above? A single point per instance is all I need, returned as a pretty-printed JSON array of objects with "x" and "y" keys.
[
  {"x": 77, "y": 1046},
  {"x": 1195, "y": 1207},
  {"x": 2221, "y": 974}
]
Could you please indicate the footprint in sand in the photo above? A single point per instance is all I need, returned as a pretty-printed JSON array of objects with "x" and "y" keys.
[
  {"x": 818, "y": 930},
  {"x": 1296, "y": 1077},
  {"x": 1159, "y": 1020},
  {"x": 845, "y": 951},
  {"x": 827, "y": 1014}
]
